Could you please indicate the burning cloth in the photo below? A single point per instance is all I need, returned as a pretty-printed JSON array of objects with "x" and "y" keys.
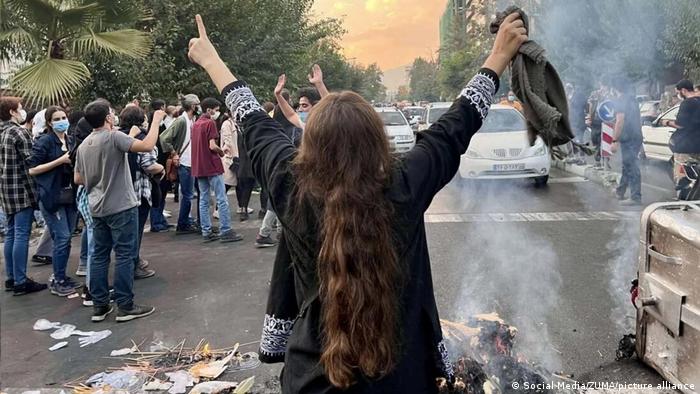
[{"x": 536, "y": 83}]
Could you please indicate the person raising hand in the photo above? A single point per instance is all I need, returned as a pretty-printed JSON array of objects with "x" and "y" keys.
[{"x": 351, "y": 303}]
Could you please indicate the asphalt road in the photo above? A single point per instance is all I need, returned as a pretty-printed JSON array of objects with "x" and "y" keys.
[{"x": 555, "y": 262}]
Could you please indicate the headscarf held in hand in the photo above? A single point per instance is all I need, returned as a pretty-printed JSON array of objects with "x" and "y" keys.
[{"x": 536, "y": 83}]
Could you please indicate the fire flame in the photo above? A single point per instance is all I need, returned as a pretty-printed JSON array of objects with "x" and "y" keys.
[{"x": 205, "y": 350}]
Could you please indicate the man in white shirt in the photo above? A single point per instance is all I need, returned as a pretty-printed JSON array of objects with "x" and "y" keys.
[{"x": 176, "y": 139}]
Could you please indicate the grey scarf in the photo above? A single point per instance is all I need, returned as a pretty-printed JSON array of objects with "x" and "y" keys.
[{"x": 536, "y": 83}]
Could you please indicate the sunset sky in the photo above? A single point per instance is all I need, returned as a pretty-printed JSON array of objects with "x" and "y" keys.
[{"x": 389, "y": 32}]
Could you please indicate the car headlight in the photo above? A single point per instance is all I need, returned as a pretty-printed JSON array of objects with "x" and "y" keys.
[
  {"x": 472, "y": 154},
  {"x": 541, "y": 151},
  {"x": 404, "y": 137}
]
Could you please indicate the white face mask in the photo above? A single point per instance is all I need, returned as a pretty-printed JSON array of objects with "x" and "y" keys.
[
  {"x": 215, "y": 115},
  {"x": 22, "y": 116},
  {"x": 680, "y": 96}
]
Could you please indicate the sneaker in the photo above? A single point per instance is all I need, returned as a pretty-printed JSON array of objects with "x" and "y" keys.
[
  {"x": 211, "y": 237},
  {"x": 261, "y": 214},
  {"x": 42, "y": 260},
  {"x": 230, "y": 236},
  {"x": 143, "y": 273},
  {"x": 244, "y": 216},
  {"x": 100, "y": 312},
  {"x": 631, "y": 203},
  {"x": 216, "y": 214},
  {"x": 72, "y": 282},
  {"x": 9, "y": 285},
  {"x": 87, "y": 298},
  {"x": 61, "y": 289},
  {"x": 81, "y": 271},
  {"x": 167, "y": 214},
  {"x": 135, "y": 312},
  {"x": 143, "y": 263},
  {"x": 264, "y": 242},
  {"x": 186, "y": 230},
  {"x": 160, "y": 230},
  {"x": 29, "y": 286}
]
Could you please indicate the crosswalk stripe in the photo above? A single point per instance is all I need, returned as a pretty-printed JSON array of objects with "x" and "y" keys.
[{"x": 531, "y": 217}]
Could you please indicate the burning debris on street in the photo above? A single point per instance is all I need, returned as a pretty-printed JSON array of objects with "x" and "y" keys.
[{"x": 486, "y": 362}]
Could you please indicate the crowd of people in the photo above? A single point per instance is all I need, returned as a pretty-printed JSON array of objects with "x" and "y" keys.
[{"x": 103, "y": 174}]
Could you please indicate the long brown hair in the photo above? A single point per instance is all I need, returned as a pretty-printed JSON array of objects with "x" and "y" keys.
[{"x": 344, "y": 164}]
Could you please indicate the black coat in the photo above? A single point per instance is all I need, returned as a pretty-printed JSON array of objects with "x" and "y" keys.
[{"x": 292, "y": 322}]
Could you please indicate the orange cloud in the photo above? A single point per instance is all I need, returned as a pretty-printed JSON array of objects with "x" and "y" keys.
[{"x": 389, "y": 32}]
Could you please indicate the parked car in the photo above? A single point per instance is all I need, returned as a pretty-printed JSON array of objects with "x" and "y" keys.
[
  {"x": 656, "y": 137},
  {"x": 650, "y": 110},
  {"x": 501, "y": 150},
  {"x": 433, "y": 112},
  {"x": 401, "y": 137}
]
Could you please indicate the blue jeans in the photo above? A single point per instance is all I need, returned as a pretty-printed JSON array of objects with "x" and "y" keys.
[
  {"x": 144, "y": 209},
  {"x": 87, "y": 249},
  {"x": 19, "y": 226},
  {"x": 217, "y": 184},
  {"x": 186, "y": 195},
  {"x": 631, "y": 174},
  {"x": 116, "y": 232},
  {"x": 61, "y": 224}
]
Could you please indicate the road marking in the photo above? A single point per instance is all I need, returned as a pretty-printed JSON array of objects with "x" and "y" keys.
[
  {"x": 531, "y": 217},
  {"x": 657, "y": 188},
  {"x": 572, "y": 179}
]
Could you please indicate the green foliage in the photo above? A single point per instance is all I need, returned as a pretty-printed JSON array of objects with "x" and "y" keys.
[
  {"x": 258, "y": 40},
  {"x": 424, "y": 80},
  {"x": 681, "y": 37},
  {"x": 56, "y": 37}
]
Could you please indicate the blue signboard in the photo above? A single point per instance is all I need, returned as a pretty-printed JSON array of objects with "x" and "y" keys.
[{"x": 606, "y": 111}]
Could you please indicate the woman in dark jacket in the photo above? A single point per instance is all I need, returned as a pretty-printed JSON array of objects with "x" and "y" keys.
[
  {"x": 351, "y": 304},
  {"x": 52, "y": 170}
]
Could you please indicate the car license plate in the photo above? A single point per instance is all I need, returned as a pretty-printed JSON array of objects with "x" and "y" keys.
[{"x": 509, "y": 167}]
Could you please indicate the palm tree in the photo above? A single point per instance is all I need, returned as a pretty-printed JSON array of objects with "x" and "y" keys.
[{"x": 52, "y": 36}]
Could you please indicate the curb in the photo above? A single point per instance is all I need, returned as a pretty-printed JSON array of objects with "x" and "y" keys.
[{"x": 607, "y": 179}]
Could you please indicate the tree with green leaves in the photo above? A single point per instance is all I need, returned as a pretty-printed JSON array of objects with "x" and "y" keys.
[
  {"x": 56, "y": 37},
  {"x": 423, "y": 80}
]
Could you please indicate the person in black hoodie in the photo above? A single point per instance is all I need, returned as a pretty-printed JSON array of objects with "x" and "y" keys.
[{"x": 355, "y": 312}]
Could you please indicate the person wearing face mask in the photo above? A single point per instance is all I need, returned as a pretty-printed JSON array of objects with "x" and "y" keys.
[
  {"x": 308, "y": 98},
  {"x": 102, "y": 167},
  {"x": 17, "y": 195},
  {"x": 512, "y": 101},
  {"x": 176, "y": 139},
  {"x": 685, "y": 141},
  {"x": 50, "y": 165},
  {"x": 208, "y": 170}
]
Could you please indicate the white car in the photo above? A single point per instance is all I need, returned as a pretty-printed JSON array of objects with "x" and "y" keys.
[
  {"x": 656, "y": 137},
  {"x": 433, "y": 112},
  {"x": 501, "y": 150},
  {"x": 399, "y": 132}
]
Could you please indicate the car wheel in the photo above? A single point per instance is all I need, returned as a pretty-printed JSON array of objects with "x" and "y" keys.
[{"x": 541, "y": 181}]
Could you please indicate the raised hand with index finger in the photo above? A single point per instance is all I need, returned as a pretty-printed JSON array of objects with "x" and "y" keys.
[{"x": 202, "y": 52}]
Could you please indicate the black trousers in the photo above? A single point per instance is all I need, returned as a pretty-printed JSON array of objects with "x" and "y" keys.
[{"x": 244, "y": 189}]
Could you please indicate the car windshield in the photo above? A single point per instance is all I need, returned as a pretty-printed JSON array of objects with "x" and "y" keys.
[
  {"x": 503, "y": 120},
  {"x": 435, "y": 113},
  {"x": 392, "y": 118},
  {"x": 413, "y": 111}
]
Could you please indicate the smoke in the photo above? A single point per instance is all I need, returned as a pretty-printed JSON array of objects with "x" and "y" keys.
[
  {"x": 516, "y": 265},
  {"x": 596, "y": 40},
  {"x": 623, "y": 252}
]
